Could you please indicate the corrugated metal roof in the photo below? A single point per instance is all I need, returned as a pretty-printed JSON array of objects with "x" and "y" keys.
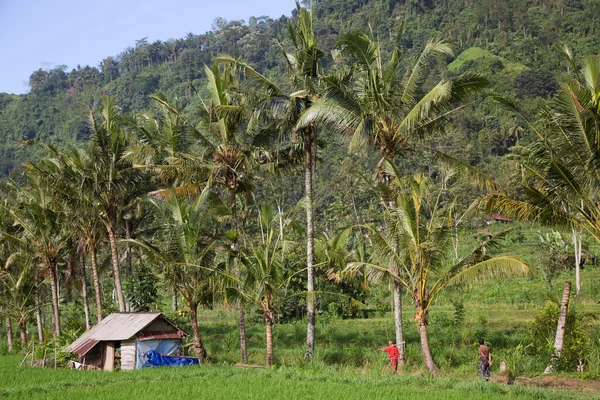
[
  {"x": 84, "y": 347},
  {"x": 115, "y": 327}
]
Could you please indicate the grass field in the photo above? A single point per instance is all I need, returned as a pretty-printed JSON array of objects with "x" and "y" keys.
[{"x": 226, "y": 382}]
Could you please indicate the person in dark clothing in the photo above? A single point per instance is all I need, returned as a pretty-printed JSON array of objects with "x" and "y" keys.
[{"x": 485, "y": 360}]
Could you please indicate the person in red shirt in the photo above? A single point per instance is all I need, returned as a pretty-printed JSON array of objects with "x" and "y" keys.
[{"x": 394, "y": 354}]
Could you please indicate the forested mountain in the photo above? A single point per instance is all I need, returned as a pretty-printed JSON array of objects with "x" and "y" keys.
[{"x": 512, "y": 41}]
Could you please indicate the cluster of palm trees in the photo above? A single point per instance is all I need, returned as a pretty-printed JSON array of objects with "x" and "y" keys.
[{"x": 174, "y": 190}]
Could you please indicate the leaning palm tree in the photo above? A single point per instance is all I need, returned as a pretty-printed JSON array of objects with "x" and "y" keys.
[
  {"x": 418, "y": 240},
  {"x": 561, "y": 169},
  {"x": 378, "y": 102}
]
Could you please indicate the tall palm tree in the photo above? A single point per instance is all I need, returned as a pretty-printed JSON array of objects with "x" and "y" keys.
[
  {"x": 73, "y": 186},
  {"x": 561, "y": 169},
  {"x": 116, "y": 183},
  {"x": 304, "y": 72},
  {"x": 418, "y": 224},
  {"x": 377, "y": 101}
]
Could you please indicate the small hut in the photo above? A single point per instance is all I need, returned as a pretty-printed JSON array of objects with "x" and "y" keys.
[{"x": 127, "y": 336}]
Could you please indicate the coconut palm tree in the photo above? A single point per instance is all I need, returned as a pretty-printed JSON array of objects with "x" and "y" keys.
[
  {"x": 185, "y": 244},
  {"x": 116, "y": 183},
  {"x": 418, "y": 239},
  {"x": 263, "y": 276},
  {"x": 304, "y": 72},
  {"x": 376, "y": 101},
  {"x": 561, "y": 169},
  {"x": 40, "y": 219}
]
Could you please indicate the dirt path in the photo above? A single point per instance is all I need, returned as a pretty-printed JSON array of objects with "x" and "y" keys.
[{"x": 556, "y": 382}]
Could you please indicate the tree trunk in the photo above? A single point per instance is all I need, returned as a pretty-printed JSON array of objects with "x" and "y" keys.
[
  {"x": 560, "y": 329},
  {"x": 39, "y": 321},
  {"x": 238, "y": 273},
  {"x": 577, "y": 239},
  {"x": 23, "y": 331},
  {"x": 396, "y": 286},
  {"x": 55, "y": 307},
  {"x": 9, "y": 334},
  {"x": 310, "y": 239},
  {"x": 84, "y": 295},
  {"x": 174, "y": 303},
  {"x": 96, "y": 279},
  {"x": 269, "y": 333},
  {"x": 112, "y": 238},
  {"x": 427, "y": 357},
  {"x": 397, "y": 294},
  {"x": 242, "y": 324},
  {"x": 197, "y": 340}
]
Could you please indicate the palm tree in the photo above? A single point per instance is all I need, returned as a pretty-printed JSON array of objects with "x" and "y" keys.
[
  {"x": 185, "y": 245},
  {"x": 17, "y": 277},
  {"x": 561, "y": 169},
  {"x": 40, "y": 218},
  {"x": 263, "y": 275},
  {"x": 116, "y": 183},
  {"x": 73, "y": 186},
  {"x": 304, "y": 75},
  {"x": 424, "y": 254},
  {"x": 374, "y": 103}
]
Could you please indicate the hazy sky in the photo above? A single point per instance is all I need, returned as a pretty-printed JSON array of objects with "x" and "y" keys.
[{"x": 44, "y": 33}]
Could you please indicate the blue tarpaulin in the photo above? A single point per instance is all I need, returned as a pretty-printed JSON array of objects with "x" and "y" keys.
[
  {"x": 168, "y": 347},
  {"x": 157, "y": 360}
]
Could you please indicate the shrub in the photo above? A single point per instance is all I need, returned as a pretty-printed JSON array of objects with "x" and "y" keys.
[{"x": 542, "y": 333}]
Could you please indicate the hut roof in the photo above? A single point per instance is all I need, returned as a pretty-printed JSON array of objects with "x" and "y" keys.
[{"x": 117, "y": 327}]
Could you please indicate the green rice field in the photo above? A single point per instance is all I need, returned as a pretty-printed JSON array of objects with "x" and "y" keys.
[{"x": 227, "y": 382}]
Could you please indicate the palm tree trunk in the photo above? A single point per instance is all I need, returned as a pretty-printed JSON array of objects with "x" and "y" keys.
[
  {"x": 86, "y": 307},
  {"x": 577, "y": 239},
  {"x": 562, "y": 319},
  {"x": 112, "y": 238},
  {"x": 310, "y": 240},
  {"x": 55, "y": 306},
  {"x": 238, "y": 272},
  {"x": 269, "y": 333},
  {"x": 396, "y": 286},
  {"x": 23, "y": 331},
  {"x": 9, "y": 334},
  {"x": 427, "y": 357},
  {"x": 397, "y": 295},
  {"x": 197, "y": 340},
  {"x": 39, "y": 321},
  {"x": 174, "y": 303},
  {"x": 96, "y": 279}
]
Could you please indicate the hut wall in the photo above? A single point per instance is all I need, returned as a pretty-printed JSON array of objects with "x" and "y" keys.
[
  {"x": 128, "y": 355},
  {"x": 94, "y": 357}
]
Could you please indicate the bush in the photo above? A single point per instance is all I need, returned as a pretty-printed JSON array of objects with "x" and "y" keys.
[{"x": 543, "y": 331}]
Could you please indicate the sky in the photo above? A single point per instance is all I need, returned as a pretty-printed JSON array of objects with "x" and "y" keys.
[{"x": 45, "y": 33}]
